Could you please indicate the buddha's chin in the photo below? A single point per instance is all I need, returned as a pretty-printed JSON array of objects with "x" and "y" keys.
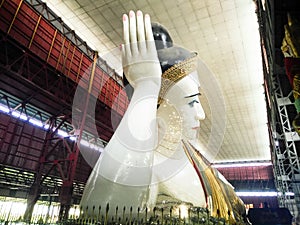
[{"x": 190, "y": 134}]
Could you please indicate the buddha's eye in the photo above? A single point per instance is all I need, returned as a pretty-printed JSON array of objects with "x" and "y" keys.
[{"x": 191, "y": 104}]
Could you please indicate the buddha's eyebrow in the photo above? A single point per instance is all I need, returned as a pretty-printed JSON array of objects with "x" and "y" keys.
[{"x": 192, "y": 95}]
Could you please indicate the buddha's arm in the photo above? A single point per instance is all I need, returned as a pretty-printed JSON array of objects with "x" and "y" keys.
[
  {"x": 133, "y": 143},
  {"x": 128, "y": 156},
  {"x": 123, "y": 172}
]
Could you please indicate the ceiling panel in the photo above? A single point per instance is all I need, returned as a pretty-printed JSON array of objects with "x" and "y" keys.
[{"x": 225, "y": 35}]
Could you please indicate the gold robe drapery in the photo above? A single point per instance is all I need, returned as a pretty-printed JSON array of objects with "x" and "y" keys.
[{"x": 222, "y": 200}]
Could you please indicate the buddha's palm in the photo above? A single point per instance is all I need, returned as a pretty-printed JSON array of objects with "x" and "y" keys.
[{"x": 139, "y": 55}]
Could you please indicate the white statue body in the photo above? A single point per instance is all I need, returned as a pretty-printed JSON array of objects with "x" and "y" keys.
[
  {"x": 183, "y": 184},
  {"x": 135, "y": 166}
]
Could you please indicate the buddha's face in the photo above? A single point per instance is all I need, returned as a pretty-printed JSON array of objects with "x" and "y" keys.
[{"x": 184, "y": 96}]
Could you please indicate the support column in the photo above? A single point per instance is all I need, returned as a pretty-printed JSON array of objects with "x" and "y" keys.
[
  {"x": 32, "y": 198},
  {"x": 67, "y": 187},
  {"x": 65, "y": 198}
]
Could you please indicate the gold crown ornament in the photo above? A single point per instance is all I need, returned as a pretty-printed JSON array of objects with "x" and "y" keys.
[{"x": 175, "y": 73}]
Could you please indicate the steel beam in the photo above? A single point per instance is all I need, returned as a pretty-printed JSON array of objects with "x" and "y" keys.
[
  {"x": 56, "y": 159},
  {"x": 282, "y": 135},
  {"x": 15, "y": 16},
  {"x": 38, "y": 72},
  {"x": 67, "y": 187}
]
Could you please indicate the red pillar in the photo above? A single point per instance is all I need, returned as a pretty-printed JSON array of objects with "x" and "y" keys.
[{"x": 67, "y": 187}]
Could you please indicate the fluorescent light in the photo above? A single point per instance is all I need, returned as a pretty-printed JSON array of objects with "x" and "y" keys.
[
  {"x": 19, "y": 115},
  {"x": 91, "y": 145},
  {"x": 245, "y": 164},
  {"x": 73, "y": 138},
  {"x": 4, "y": 108},
  {"x": 62, "y": 133},
  {"x": 286, "y": 193},
  {"x": 256, "y": 193},
  {"x": 36, "y": 122},
  {"x": 40, "y": 124},
  {"x": 262, "y": 193}
]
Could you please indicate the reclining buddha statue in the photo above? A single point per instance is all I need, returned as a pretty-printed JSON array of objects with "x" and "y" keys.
[{"x": 151, "y": 160}]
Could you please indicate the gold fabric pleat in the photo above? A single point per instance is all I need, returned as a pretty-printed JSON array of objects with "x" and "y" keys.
[{"x": 224, "y": 202}]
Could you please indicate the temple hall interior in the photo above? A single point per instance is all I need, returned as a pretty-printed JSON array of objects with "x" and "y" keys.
[{"x": 63, "y": 96}]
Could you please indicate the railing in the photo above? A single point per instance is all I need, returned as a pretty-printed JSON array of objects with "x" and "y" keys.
[
  {"x": 129, "y": 216},
  {"x": 158, "y": 215}
]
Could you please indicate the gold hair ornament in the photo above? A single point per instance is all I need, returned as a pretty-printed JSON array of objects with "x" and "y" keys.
[{"x": 176, "y": 73}]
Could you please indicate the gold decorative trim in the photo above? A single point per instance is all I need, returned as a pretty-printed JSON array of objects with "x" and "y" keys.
[{"x": 176, "y": 73}]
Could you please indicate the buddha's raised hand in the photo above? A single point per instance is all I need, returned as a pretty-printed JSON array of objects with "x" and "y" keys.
[{"x": 139, "y": 56}]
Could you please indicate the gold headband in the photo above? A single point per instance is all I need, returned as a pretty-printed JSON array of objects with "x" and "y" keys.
[{"x": 176, "y": 73}]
